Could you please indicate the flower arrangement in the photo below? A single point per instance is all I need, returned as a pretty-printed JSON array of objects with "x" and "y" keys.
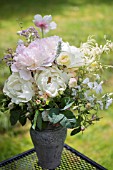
[{"x": 53, "y": 83}]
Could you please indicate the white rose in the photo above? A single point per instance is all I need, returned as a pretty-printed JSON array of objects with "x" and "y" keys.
[
  {"x": 64, "y": 59},
  {"x": 18, "y": 89},
  {"x": 51, "y": 81},
  {"x": 70, "y": 56}
]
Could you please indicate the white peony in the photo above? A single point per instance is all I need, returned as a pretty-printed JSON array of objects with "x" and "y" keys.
[
  {"x": 18, "y": 89},
  {"x": 51, "y": 81}
]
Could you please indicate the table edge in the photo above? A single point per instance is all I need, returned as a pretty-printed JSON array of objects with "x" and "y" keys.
[{"x": 30, "y": 151}]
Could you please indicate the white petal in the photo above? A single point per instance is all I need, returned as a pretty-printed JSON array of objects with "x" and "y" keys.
[
  {"x": 38, "y": 17},
  {"x": 26, "y": 75},
  {"x": 53, "y": 25},
  {"x": 14, "y": 68},
  {"x": 90, "y": 85},
  {"x": 47, "y": 18},
  {"x": 86, "y": 81}
]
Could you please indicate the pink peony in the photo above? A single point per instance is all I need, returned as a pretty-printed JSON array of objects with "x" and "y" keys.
[{"x": 39, "y": 54}]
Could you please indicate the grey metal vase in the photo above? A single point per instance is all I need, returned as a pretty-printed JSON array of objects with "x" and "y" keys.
[{"x": 49, "y": 145}]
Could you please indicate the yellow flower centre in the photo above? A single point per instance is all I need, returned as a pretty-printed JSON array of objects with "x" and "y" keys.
[
  {"x": 94, "y": 64},
  {"x": 63, "y": 59}
]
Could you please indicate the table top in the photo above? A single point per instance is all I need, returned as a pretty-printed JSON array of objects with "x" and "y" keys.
[{"x": 71, "y": 160}]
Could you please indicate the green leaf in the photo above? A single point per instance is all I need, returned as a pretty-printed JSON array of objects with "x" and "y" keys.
[
  {"x": 35, "y": 119},
  {"x": 44, "y": 125},
  {"x": 39, "y": 121},
  {"x": 14, "y": 116},
  {"x": 53, "y": 118},
  {"x": 69, "y": 114},
  {"x": 78, "y": 121},
  {"x": 75, "y": 131},
  {"x": 22, "y": 120},
  {"x": 54, "y": 110},
  {"x": 66, "y": 101},
  {"x": 68, "y": 106},
  {"x": 65, "y": 123},
  {"x": 81, "y": 95}
]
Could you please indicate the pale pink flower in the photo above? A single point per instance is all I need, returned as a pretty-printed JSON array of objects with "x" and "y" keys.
[
  {"x": 39, "y": 54},
  {"x": 44, "y": 23}
]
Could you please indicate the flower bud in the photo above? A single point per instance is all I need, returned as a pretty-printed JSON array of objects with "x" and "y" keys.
[
  {"x": 88, "y": 105},
  {"x": 38, "y": 102},
  {"x": 82, "y": 128},
  {"x": 72, "y": 82}
]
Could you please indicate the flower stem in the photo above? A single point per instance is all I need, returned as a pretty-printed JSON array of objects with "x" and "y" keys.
[{"x": 42, "y": 32}]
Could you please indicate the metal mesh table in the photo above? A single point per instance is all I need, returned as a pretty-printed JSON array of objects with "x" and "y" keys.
[{"x": 71, "y": 160}]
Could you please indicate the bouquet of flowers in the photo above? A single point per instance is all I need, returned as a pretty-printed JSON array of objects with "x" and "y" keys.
[{"x": 53, "y": 83}]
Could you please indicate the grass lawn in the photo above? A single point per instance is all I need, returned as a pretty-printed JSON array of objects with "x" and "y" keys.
[{"x": 76, "y": 20}]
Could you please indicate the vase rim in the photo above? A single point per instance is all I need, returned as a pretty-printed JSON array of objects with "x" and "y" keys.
[{"x": 50, "y": 130}]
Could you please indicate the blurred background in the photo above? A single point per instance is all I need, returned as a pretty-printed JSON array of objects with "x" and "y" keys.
[{"x": 76, "y": 20}]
